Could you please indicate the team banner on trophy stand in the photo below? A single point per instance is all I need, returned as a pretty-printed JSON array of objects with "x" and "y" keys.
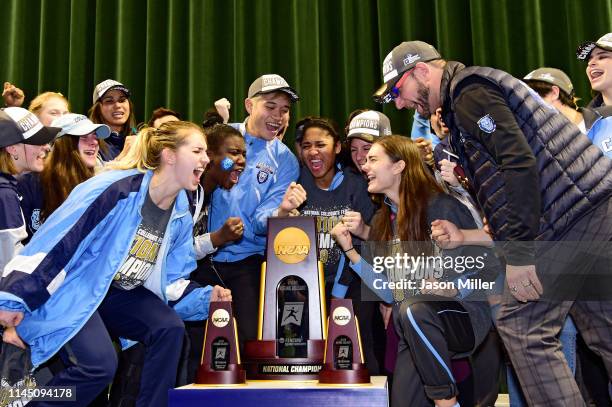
[{"x": 291, "y": 334}]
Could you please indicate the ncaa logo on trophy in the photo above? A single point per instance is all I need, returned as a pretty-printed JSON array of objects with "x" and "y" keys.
[{"x": 291, "y": 332}]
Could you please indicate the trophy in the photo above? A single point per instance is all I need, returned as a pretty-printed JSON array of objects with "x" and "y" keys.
[
  {"x": 221, "y": 356},
  {"x": 291, "y": 331},
  {"x": 343, "y": 354}
]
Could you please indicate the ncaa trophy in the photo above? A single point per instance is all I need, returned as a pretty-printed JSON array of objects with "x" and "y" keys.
[
  {"x": 220, "y": 362},
  {"x": 291, "y": 333},
  {"x": 344, "y": 362}
]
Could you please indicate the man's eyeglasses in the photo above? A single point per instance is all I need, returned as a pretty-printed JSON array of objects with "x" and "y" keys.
[{"x": 395, "y": 90}]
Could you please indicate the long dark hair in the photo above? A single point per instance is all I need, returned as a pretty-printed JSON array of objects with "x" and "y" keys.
[
  {"x": 95, "y": 115},
  {"x": 417, "y": 187},
  {"x": 63, "y": 171}
]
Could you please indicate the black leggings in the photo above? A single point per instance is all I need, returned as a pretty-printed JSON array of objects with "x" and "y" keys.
[{"x": 431, "y": 332}]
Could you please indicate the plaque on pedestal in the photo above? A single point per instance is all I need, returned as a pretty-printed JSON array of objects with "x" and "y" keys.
[
  {"x": 291, "y": 332},
  {"x": 221, "y": 356},
  {"x": 343, "y": 354}
]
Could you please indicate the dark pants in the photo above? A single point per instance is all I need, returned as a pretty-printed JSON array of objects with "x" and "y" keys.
[
  {"x": 243, "y": 277},
  {"x": 430, "y": 334},
  {"x": 91, "y": 359},
  {"x": 371, "y": 326},
  {"x": 579, "y": 268}
]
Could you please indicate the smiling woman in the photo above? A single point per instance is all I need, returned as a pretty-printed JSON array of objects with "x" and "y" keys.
[
  {"x": 22, "y": 149},
  {"x": 434, "y": 321},
  {"x": 117, "y": 231},
  {"x": 330, "y": 192},
  {"x": 72, "y": 161}
]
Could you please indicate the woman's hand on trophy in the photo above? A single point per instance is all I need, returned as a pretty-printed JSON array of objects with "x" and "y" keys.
[
  {"x": 355, "y": 224},
  {"x": 294, "y": 197},
  {"x": 220, "y": 294}
]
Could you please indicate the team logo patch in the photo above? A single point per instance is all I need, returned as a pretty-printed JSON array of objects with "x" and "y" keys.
[
  {"x": 264, "y": 172},
  {"x": 262, "y": 177},
  {"x": 487, "y": 124},
  {"x": 35, "y": 219}
]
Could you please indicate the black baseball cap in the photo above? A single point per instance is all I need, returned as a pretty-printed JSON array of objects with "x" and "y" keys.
[
  {"x": 583, "y": 52},
  {"x": 18, "y": 125}
]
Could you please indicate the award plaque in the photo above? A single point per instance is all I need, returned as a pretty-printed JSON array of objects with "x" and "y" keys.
[
  {"x": 291, "y": 332},
  {"x": 221, "y": 356},
  {"x": 343, "y": 354}
]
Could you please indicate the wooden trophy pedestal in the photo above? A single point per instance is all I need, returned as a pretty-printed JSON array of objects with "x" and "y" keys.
[
  {"x": 233, "y": 375},
  {"x": 263, "y": 364},
  {"x": 220, "y": 362},
  {"x": 344, "y": 363},
  {"x": 358, "y": 374}
]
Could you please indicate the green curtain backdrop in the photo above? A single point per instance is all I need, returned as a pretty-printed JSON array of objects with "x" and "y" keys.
[{"x": 184, "y": 54}]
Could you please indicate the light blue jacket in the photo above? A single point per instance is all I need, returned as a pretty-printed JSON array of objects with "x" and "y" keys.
[
  {"x": 270, "y": 168},
  {"x": 422, "y": 128},
  {"x": 600, "y": 135},
  {"x": 63, "y": 274}
]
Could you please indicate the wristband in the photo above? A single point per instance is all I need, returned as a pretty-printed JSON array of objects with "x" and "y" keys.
[{"x": 348, "y": 250}]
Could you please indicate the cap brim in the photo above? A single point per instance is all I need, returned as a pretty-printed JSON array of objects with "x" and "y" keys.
[
  {"x": 293, "y": 96},
  {"x": 362, "y": 136},
  {"x": 584, "y": 50},
  {"x": 102, "y": 130},
  {"x": 382, "y": 94},
  {"x": 116, "y": 87},
  {"x": 43, "y": 136}
]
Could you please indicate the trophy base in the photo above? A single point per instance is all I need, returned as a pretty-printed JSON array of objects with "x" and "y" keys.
[
  {"x": 233, "y": 375},
  {"x": 261, "y": 362},
  {"x": 358, "y": 374}
]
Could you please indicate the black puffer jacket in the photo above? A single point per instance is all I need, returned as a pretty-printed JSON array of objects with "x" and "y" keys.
[{"x": 568, "y": 176}]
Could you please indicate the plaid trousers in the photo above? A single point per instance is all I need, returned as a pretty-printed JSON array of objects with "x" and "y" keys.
[{"x": 576, "y": 274}]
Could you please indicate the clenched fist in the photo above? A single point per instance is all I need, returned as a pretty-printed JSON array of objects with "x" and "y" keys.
[
  {"x": 12, "y": 95},
  {"x": 294, "y": 197},
  {"x": 223, "y": 107},
  {"x": 355, "y": 224},
  {"x": 231, "y": 230}
]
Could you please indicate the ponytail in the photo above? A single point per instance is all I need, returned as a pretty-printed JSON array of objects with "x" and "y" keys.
[{"x": 145, "y": 154}]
